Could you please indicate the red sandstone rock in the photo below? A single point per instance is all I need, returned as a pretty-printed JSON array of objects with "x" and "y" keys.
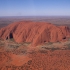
[{"x": 34, "y": 32}]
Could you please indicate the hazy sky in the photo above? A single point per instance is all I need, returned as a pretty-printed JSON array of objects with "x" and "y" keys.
[{"x": 34, "y": 7}]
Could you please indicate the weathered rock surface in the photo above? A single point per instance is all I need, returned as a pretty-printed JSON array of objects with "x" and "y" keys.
[{"x": 34, "y": 32}]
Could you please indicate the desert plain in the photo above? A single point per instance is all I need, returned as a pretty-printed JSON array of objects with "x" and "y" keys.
[{"x": 35, "y": 43}]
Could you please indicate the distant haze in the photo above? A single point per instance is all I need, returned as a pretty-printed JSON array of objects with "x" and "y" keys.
[
  {"x": 58, "y": 20},
  {"x": 34, "y": 7}
]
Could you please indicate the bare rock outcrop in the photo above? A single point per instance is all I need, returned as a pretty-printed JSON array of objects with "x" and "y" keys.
[{"x": 34, "y": 32}]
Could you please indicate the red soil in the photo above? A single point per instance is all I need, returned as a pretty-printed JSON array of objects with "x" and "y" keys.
[
  {"x": 34, "y": 32},
  {"x": 50, "y": 60},
  {"x": 57, "y": 60}
]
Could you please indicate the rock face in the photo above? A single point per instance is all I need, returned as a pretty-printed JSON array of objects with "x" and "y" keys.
[{"x": 34, "y": 32}]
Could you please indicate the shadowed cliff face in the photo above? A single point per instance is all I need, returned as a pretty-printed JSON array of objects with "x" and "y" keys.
[{"x": 34, "y": 32}]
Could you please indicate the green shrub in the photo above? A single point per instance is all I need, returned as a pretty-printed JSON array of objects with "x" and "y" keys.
[
  {"x": 12, "y": 39},
  {"x": 50, "y": 43},
  {"x": 53, "y": 49},
  {"x": 68, "y": 46},
  {"x": 42, "y": 51}
]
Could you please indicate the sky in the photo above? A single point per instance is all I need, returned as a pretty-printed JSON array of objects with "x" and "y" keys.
[{"x": 34, "y": 7}]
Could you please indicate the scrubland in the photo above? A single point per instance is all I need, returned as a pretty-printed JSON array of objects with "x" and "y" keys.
[{"x": 49, "y": 56}]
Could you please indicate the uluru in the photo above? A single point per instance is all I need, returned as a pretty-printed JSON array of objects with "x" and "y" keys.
[{"x": 35, "y": 33}]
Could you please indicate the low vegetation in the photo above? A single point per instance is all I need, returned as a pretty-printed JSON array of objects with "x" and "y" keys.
[{"x": 68, "y": 46}]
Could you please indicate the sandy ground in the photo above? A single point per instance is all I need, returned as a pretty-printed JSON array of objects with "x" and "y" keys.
[{"x": 39, "y": 58}]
